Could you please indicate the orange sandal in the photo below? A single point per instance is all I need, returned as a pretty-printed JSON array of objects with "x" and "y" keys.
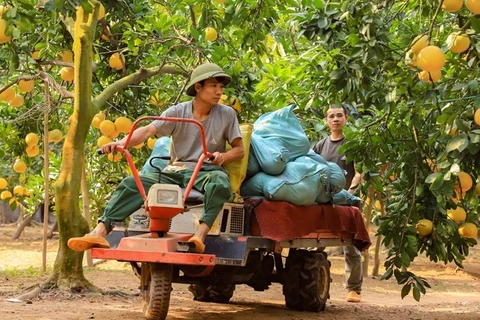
[
  {"x": 87, "y": 242},
  {"x": 199, "y": 245}
]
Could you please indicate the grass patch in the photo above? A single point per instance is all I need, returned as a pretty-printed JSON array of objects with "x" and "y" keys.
[{"x": 30, "y": 272}]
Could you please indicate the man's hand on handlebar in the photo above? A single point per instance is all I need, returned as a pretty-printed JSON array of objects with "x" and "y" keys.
[
  {"x": 110, "y": 147},
  {"x": 219, "y": 158}
]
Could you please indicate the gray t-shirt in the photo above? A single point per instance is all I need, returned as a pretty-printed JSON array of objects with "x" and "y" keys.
[
  {"x": 220, "y": 127},
  {"x": 328, "y": 149}
]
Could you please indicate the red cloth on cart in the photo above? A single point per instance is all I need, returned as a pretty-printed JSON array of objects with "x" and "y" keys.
[{"x": 280, "y": 220}]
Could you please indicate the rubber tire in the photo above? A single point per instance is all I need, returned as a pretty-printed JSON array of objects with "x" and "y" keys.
[
  {"x": 306, "y": 281},
  {"x": 291, "y": 280},
  {"x": 218, "y": 293},
  {"x": 156, "y": 294},
  {"x": 315, "y": 281}
]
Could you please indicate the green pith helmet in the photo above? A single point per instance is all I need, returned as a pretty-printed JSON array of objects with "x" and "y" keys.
[{"x": 203, "y": 72}]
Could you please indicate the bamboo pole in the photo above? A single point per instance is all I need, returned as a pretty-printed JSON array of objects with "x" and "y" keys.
[{"x": 47, "y": 175}]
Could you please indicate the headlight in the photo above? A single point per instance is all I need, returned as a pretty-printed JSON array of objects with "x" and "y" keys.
[{"x": 167, "y": 196}]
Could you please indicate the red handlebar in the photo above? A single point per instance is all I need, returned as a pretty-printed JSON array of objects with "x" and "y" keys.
[{"x": 131, "y": 164}]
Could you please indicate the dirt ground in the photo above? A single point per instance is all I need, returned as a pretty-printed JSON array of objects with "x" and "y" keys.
[{"x": 455, "y": 294}]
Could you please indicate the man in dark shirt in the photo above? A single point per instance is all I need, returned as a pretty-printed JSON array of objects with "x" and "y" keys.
[{"x": 328, "y": 148}]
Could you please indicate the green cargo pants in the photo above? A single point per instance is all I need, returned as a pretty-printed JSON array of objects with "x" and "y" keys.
[{"x": 213, "y": 183}]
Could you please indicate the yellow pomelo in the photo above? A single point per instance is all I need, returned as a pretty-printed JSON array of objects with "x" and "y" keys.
[
  {"x": 114, "y": 134},
  {"x": 103, "y": 140},
  {"x": 458, "y": 215},
  {"x": 378, "y": 205},
  {"x": 17, "y": 101},
  {"x": 123, "y": 124},
  {"x": 210, "y": 34},
  {"x": 476, "y": 117},
  {"x": 5, "y": 195},
  {"x": 458, "y": 43},
  {"x": 31, "y": 139},
  {"x": 8, "y": 94},
  {"x": 473, "y": 6},
  {"x": 418, "y": 43},
  {"x": 32, "y": 151},
  {"x": 428, "y": 77},
  {"x": 101, "y": 115},
  {"x": 138, "y": 146},
  {"x": 18, "y": 190},
  {"x": 465, "y": 181},
  {"x": 151, "y": 143},
  {"x": 115, "y": 157},
  {"x": 96, "y": 122},
  {"x": 424, "y": 227},
  {"x": 26, "y": 85},
  {"x": 3, "y": 27},
  {"x": 19, "y": 166},
  {"x": 468, "y": 230},
  {"x": 431, "y": 58},
  {"x": 36, "y": 55},
  {"x": 55, "y": 135},
  {"x": 67, "y": 74},
  {"x": 116, "y": 61},
  {"x": 107, "y": 127},
  {"x": 66, "y": 56},
  {"x": 393, "y": 176},
  {"x": 3, "y": 183},
  {"x": 452, "y": 5}
]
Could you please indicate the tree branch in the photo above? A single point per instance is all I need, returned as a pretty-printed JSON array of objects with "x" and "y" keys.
[{"x": 134, "y": 78}]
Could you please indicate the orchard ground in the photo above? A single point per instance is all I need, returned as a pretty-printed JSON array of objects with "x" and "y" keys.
[{"x": 455, "y": 293}]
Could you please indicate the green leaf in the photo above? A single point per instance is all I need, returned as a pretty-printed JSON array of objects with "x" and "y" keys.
[
  {"x": 457, "y": 143},
  {"x": 416, "y": 294},
  {"x": 475, "y": 23},
  {"x": 432, "y": 177},
  {"x": 406, "y": 290}
]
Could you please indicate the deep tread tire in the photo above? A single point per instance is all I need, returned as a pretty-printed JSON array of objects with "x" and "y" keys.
[
  {"x": 218, "y": 293},
  {"x": 315, "y": 281},
  {"x": 291, "y": 280},
  {"x": 156, "y": 291},
  {"x": 306, "y": 282}
]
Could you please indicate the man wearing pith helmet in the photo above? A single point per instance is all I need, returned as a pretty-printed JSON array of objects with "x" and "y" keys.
[{"x": 221, "y": 125}]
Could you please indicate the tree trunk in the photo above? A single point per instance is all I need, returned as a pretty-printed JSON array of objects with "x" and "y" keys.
[
  {"x": 367, "y": 216},
  {"x": 68, "y": 270},
  {"x": 51, "y": 231},
  {"x": 378, "y": 243},
  {"x": 26, "y": 221}
]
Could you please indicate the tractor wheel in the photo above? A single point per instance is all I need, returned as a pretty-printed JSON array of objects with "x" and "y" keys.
[
  {"x": 219, "y": 293},
  {"x": 156, "y": 289},
  {"x": 291, "y": 280},
  {"x": 315, "y": 281}
]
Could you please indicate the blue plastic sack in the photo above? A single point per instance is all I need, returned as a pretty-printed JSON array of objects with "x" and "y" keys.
[
  {"x": 298, "y": 184},
  {"x": 282, "y": 129},
  {"x": 345, "y": 198},
  {"x": 270, "y": 155}
]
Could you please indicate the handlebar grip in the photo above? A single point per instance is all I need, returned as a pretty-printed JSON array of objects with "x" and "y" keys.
[{"x": 99, "y": 152}]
